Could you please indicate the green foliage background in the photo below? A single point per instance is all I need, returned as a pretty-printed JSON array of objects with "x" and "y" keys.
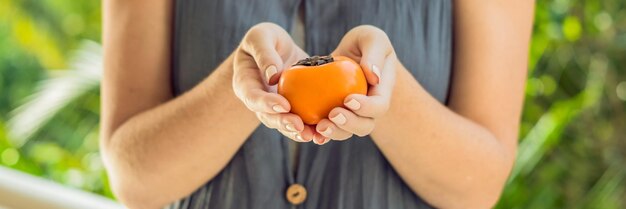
[{"x": 572, "y": 141}]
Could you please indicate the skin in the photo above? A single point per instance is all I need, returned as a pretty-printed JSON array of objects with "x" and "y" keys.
[
  {"x": 144, "y": 128},
  {"x": 147, "y": 135},
  {"x": 466, "y": 149},
  {"x": 265, "y": 51},
  {"x": 455, "y": 156}
]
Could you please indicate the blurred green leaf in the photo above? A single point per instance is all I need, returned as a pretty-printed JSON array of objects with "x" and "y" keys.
[
  {"x": 572, "y": 28},
  {"x": 55, "y": 93},
  {"x": 572, "y": 148}
]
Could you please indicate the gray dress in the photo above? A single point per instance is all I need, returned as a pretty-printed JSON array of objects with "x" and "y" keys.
[{"x": 343, "y": 175}]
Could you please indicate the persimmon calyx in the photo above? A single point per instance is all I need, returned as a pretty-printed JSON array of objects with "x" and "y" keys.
[{"x": 315, "y": 61}]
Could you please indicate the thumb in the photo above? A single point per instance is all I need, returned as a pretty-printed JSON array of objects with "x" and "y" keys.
[
  {"x": 375, "y": 48},
  {"x": 261, "y": 44}
]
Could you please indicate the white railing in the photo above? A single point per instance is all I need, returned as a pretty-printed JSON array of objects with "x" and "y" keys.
[{"x": 23, "y": 191}]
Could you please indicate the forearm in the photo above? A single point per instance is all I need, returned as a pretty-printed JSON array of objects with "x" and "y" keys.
[
  {"x": 449, "y": 160},
  {"x": 168, "y": 151}
]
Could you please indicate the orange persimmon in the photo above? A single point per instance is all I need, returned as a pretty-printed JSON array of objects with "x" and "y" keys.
[{"x": 316, "y": 85}]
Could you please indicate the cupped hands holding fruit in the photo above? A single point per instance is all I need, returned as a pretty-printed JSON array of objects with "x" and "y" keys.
[
  {"x": 372, "y": 49},
  {"x": 264, "y": 52},
  {"x": 316, "y": 85},
  {"x": 321, "y": 98}
]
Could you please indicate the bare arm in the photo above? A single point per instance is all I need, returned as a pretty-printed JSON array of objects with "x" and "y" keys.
[
  {"x": 460, "y": 156},
  {"x": 457, "y": 156},
  {"x": 158, "y": 148}
]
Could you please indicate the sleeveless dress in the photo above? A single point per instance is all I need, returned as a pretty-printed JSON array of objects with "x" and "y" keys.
[{"x": 351, "y": 174}]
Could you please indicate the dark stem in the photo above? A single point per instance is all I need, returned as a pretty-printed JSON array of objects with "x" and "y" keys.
[{"x": 315, "y": 61}]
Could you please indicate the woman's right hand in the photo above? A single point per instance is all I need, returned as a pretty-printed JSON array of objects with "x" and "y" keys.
[{"x": 265, "y": 51}]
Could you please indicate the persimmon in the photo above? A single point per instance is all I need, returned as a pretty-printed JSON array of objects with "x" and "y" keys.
[{"x": 316, "y": 85}]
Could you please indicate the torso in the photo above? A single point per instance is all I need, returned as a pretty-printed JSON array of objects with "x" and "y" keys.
[{"x": 347, "y": 174}]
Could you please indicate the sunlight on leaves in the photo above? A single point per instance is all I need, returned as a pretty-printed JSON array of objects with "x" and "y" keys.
[
  {"x": 572, "y": 28},
  {"x": 54, "y": 93}
]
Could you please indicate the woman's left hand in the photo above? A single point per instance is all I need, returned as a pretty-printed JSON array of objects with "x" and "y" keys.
[{"x": 371, "y": 48}]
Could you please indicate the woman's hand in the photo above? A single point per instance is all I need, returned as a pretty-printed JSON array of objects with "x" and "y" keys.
[
  {"x": 265, "y": 51},
  {"x": 371, "y": 48}
]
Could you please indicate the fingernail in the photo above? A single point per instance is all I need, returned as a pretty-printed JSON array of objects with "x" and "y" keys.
[
  {"x": 279, "y": 109},
  {"x": 270, "y": 71},
  {"x": 315, "y": 142},
  {"x": 376, "y": 71},
  {"x": 325, "y": 141},
  {"x": 290, "y": 127},
  {"x": 339, "y": 119},
  {"x": 299, "y": 138},
  {"x": 353, "y": 104},
  {"x": 318, "y": 141},
  {"x": 327, "y": 132}
]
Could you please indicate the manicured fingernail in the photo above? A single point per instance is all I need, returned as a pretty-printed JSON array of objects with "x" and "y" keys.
[
  {"x": 327, "y": 132},
  {"x": 319, "y": 141},
  {"x": 353, "y": 104},
  {"x": 279, "y": 109},
  {"x": 339, "y": 119},
  {"x": 315, "y": 142},
  {"x": 290, "y": 127},
  {"x": 270, "y": 71},
  {"x": 299, "y": 138},
  {"x": 325, "y": 141},
  {"x": 376, "y": 71}
]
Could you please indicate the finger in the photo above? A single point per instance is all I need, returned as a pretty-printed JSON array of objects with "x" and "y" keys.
[
  {"x": 326, "y": 140},
  {"x": 249, "y": 88},
  {"x": 303, "y": 136},
  {"x": 367, "y": 106},
  {"x": 288, "y": 122},
  {"x": 262, "y": 44},
  {"x": 375, "y": 47},
  {"x": 319, "y": 139},
  {"x": 376, "y": 103},
  {"x": 266, "y": 120},
  {"x": 307, "y": 134},
  {"x": 372, "y": 48},
  {"x": 388, "y": 79},
  {"x": 328, "y": 129},
  {"x": 290, "y": 125},
  {"x": 350, "y": 122},
  {"x": 290, "y": 135},
  {"x": 259, "y": 100}
]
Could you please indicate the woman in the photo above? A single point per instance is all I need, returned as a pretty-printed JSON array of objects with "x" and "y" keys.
[{"x": 439, "y": 125}]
